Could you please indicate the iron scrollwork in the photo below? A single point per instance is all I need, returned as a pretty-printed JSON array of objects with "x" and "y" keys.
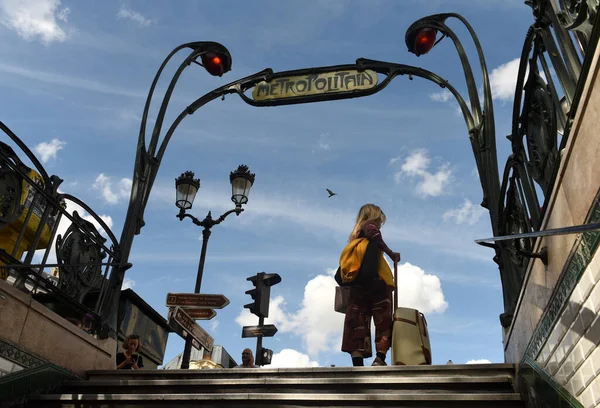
[
  {"x": 515, "y": 221},
  {"x": 11, "y": 186},
  {"x": 79, "y": 258},
  {"x": 540, "y": 128},
  {"x": 577, "y": 15}
]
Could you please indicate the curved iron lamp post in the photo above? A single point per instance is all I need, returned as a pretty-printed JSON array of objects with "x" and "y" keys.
[
  {"x": 420, "y": 39},
  {"x": 186, "y": 187},
  {"x": 216, "y": 59},
  {"x": 480, "y": 126}
]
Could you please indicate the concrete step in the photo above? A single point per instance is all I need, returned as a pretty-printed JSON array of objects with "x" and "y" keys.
[
  {"x": 461, "y": 370},
  {"x": 274, "y": 384},
  {"x": 283, "y": 400}
]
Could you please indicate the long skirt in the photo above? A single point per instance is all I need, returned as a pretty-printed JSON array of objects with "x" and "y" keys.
[{"x": 372, "y": 300}]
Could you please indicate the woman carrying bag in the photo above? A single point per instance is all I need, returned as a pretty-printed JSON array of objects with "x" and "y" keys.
[{"x": 365, "y": 271}]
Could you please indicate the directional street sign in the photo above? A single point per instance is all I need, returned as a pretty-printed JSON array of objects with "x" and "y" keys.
[
  {"x": 188, "y": 324},
  {"x": 200, "y": 314},
  {"x": 268, "y": 330},
  {"x": 198, "y": 300},
  {"x": 176, "y": 327}
]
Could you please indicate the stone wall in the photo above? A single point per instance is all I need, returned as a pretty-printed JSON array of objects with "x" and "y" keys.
[
  {"x": 556, "y": 324},
  {"x": 37, "y": 330}
]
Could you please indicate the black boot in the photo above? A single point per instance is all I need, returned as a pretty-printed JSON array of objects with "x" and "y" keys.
[{"x": 358, "y": 361}]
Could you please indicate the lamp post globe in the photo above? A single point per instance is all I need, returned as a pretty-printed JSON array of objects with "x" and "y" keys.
[
  {"x": 186, "y": 187},
  {"x": 241, "y": 181}
]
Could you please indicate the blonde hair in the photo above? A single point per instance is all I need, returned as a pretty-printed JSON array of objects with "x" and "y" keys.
[{"x": 368, "y": 212}]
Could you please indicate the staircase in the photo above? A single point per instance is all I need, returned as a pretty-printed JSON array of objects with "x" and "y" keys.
[{"x": 482, "y": 386}]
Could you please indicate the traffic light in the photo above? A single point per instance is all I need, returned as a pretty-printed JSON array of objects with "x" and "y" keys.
[
  {"x": 216, "y": 60},
  {"x": 261, "y": 293},
  {"x": 264, "y": 357}
]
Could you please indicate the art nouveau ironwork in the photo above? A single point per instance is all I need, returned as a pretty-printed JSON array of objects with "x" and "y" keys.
[{"x": 551, "y": 72}]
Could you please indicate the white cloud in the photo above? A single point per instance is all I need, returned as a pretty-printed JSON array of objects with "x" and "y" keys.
[
  {"x": 104, "y": 185},
  {"x": 63, "y": 15},
  {"x": 48, "y": 150},
  {"x": 442, "y": 96},
  {"x": 503, "y": 80},
  {"x": 416, "y": 166},
  {"x": 291, "y": 358},
  {"x": 270, "y": 206},
  {"x": 467, "y": 213},
  {"x": 320, "y": 327},
  {"x": 134, "y": 16},
  {"x": 323, "y": 144},
  {"x": 277, "y": 316},
  {"x": 213, "y": 324},
  {"x": 128, "y": 283},
  {"x": 479, "y": 362},
  {"x": 69, "y": 81},
  {"x": 419, "y": 290},
  {"x": 32, "y": 19}
]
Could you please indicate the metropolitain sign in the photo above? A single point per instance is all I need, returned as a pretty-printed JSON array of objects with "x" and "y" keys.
[{"x": 315, "y": 84}]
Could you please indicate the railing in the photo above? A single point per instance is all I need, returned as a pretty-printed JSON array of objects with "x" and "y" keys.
[
  {"x": 551, "y": 77},
  {"x": 50, "y": 244}
]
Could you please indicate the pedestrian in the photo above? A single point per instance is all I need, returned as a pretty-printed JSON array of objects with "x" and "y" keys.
[
  {"x": 247, "y": 359},
  {"x": 128, "y": 360},
  {"x": 363, "y": 267}
]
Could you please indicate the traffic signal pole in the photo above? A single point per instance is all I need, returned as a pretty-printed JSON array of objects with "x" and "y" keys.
[{"x": 258, "y": 359}]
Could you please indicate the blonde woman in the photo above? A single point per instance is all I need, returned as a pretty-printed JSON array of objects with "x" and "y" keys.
[{"x": 371, "y": 289}]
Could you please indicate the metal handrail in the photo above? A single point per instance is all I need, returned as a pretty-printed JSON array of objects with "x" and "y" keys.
[{"x": 576, "y": 229}]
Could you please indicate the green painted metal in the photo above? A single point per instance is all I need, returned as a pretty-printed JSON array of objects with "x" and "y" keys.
[
  {"x": 16, "y": 387},
  {"x": 539, "y": 389}
]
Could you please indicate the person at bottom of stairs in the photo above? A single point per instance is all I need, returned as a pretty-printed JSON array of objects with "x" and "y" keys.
[{"x": 371, "y": 296}]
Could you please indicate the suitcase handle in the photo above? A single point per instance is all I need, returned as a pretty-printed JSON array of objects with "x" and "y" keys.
[{"x": 395, "y": 287}]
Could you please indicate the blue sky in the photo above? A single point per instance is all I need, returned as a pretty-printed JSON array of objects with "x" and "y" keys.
[{"x": 73, "y": 82}]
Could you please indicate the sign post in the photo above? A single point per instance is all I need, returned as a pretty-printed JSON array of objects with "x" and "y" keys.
[
  {"x": 267, "y": 330},
  {"x": 196, "y": 300},
  {"x": 183, "y": 320}
]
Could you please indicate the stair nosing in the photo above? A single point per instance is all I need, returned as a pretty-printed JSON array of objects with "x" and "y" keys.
[
  {"x": 285, "y": 397},
  {"x": 320, "y": 381}
]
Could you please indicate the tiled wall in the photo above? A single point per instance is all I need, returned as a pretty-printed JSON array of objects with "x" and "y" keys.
[{"x": 572, "y": 352}]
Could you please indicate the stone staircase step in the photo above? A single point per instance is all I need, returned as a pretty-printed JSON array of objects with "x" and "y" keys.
[
  {"x": 443, "y": 384},
  {"x": 447, "y": 386},
  {"x": 462, "y": 370},
  {"x": 283, "y": 400}
]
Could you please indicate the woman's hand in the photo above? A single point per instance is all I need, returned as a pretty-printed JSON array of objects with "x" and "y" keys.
[{"x": 395, "y": 257}]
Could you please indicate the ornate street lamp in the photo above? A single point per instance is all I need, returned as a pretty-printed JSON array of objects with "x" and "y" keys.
[
  {"x": 216, "y": 60},
  {"x": 186, "y": 187},
  {"x": 241, "y": 182}
]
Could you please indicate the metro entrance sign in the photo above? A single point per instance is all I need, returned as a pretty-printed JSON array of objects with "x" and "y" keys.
[
  {"x": 334, "y": 82},
  {"x": 196, "y": 300}
]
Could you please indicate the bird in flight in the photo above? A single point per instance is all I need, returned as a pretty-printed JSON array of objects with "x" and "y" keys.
[{"x": 331, "y": 193}]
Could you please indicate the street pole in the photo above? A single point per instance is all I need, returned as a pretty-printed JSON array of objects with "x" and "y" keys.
[
  {"x": 187, "y": 351},
  {"x": 261, "y": 322}
]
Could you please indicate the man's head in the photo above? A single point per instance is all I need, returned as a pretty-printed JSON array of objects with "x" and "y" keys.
[{"x": 247, "y": 357}]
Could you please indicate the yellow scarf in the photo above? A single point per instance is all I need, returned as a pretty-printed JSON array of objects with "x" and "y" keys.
[{"x": 352, "y": 257}]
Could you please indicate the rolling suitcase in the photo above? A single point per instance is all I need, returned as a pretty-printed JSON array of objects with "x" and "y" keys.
[{"x": 410, "y": 338}]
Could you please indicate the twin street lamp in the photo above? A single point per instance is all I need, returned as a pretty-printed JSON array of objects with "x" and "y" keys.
[{"x": 187, "y": 187}]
